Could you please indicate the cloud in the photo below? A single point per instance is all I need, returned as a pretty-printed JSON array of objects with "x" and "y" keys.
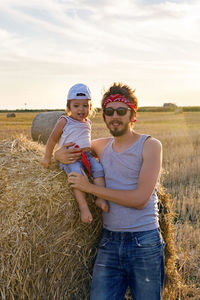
[
  {"x": 130, "y": 40},
  {"x": 82, "y": 27}
]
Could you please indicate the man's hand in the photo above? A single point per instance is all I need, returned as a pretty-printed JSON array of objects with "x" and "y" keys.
[
  {"x": 79, "y": 181},
  {"x": 66, "y": 155}
]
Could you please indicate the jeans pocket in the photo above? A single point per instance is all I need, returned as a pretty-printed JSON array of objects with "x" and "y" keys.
[{"x": 149, "y": 239}]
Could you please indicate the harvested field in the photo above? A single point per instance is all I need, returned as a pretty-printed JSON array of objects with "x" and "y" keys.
[{"x": 47, "y": 253}]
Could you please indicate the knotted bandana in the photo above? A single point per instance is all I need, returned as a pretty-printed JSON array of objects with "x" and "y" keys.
[{"x": 120, "y": 98}]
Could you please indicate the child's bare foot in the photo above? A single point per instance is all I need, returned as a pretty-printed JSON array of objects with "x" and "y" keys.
[
  {"x": 86, "y": 216},
  {"x": 102, "y": 204}
]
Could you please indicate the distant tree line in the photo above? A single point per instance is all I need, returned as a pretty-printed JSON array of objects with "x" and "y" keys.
[
  {"x": 29, "y": 110},
  {"x": 168, "y": 108},
  {"x": 155, "y": 109},
  {"x": 191, "y": 108},
  {"x": 140, "y": 109}
]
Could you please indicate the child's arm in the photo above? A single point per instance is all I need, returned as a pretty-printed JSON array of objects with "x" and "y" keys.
[{"x": 52, "y": 140}]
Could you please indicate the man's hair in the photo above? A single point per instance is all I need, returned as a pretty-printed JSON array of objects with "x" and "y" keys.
[{"x": 122, "y": 89}]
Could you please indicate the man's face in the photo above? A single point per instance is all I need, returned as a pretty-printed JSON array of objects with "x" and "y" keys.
[{"x": 118, "y": 125}]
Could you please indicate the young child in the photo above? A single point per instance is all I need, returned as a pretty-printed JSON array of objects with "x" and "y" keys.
[{"x": 76, "y": 128}]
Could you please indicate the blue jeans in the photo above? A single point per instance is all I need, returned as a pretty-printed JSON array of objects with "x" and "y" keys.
[{"x": 133, "y": 259}]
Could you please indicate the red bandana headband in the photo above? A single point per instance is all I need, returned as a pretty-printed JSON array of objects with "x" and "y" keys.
[{"x": 120, "y": 98}]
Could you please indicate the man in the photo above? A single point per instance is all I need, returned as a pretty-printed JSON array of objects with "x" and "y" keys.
[{"x": 131, "y": 249}]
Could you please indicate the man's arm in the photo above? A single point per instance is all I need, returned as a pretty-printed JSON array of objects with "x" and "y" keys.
[
  {"x": 138, "y": 198},
  {"x": 69, "y": 156}
]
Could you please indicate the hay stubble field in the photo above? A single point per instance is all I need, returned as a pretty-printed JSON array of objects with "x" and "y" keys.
[{"x": 180, "y": 136}]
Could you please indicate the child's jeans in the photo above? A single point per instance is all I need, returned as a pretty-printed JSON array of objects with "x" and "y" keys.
[{"x": 95, "y": 166}]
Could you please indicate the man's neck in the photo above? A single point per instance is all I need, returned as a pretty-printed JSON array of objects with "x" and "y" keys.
[{"x": 123, "y": 142}]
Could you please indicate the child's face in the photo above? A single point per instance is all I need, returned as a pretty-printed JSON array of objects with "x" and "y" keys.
[{"x": 79, "y": 109}]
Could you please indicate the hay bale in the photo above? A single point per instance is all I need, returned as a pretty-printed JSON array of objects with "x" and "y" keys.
[
  {"x": 10, "y": 115},
  {"x": 174, "y": 285},
  {"x": 42, "y": 125},
  {"x": 46, "y": 252}
]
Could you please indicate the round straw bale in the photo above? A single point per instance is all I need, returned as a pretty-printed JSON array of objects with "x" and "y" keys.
[
  {"x": 42, "y": 125},
  {"x": 46, "y": 251},
  {"x": 11, "y": 115}
]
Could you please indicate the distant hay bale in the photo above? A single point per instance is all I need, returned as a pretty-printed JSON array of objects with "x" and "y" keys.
[
  {"x": 42, "y": 125},
  {"x": 46, "y": 252},
  {"x": 11, "y": 115}
]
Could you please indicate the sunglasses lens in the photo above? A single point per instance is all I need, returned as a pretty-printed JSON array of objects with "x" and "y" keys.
[
  {"x": 121, "y": 111},
  {"x": 109, "y": 111}
]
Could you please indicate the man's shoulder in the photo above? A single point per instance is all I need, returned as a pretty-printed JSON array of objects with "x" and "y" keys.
[
  {"x": 151, "y": 141},
  {"x": 99, "y": 144},
  {"x": 100, "y": 141},
  {"x": 152, "y": 144}
]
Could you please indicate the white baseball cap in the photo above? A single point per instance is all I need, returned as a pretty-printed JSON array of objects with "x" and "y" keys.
[{"x": 79, "y": 91}]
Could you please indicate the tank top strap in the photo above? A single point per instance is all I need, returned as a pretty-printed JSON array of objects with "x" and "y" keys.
[
  {"x": 108, "y": 147},
  {"x": 140, "y": 143},
  {"x": 64, "y": 117}
]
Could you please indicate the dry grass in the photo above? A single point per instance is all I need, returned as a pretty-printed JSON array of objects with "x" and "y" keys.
[
  {"x": 180, "y": 136},
  {"x": 41, "y": 223}
]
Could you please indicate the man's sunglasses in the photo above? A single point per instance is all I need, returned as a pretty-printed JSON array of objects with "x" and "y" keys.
[{"x": 121, "y": 111}]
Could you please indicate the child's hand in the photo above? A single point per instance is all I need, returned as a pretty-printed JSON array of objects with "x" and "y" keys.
[{"x": 45, "y": 162}]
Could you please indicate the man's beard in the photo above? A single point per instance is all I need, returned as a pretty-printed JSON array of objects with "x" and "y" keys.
[{"x": 116, "y": 131}]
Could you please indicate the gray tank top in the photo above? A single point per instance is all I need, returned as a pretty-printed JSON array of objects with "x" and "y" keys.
[{"x": 121, "y": 172}]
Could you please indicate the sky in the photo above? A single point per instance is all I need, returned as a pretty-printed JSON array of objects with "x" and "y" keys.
[{"x": 47, "y": 46}]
